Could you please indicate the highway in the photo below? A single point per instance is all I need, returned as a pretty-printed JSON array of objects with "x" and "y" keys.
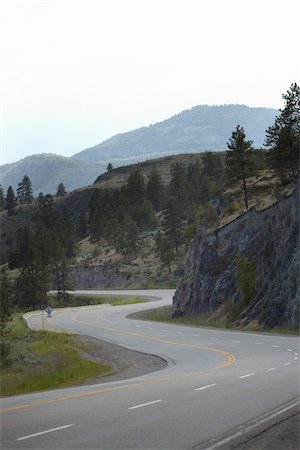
[{"x": 217, "y": 383}]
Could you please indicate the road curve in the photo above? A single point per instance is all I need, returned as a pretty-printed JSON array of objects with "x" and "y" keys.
[{"x": 216, "y": 382}]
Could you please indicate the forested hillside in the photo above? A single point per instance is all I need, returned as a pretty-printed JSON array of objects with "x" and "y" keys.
[
  {"x": 47, "y": 170},
  {"x": 197, "y": 129}
]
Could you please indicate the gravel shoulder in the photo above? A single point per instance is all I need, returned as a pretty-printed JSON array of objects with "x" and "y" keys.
[{"x": 125, "y": 363}]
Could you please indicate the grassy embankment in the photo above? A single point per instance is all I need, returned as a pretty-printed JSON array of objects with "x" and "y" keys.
[
  {"x": 93, "y": 299},
  {"x": 46, "y": 360},
  {"x": 206, "y": 320}
]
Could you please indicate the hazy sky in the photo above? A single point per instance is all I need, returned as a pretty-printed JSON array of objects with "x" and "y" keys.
[{"x": 78, "y": 72}]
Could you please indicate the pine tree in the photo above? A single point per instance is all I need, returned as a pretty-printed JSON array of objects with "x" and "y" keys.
[
  {"x": 130, "y": 234},
  {"x": 239, "y": 159},
  {"x": 10, "y": 201},
  {"x": 282, "y": 138},
  {"x": 155, "y": 189},
  {"x": 2, "y": 200},
  {"x": 40, "y": 200},
  {"x": 135, "y": 188},
  {"x": 109, "y": 167},
  {"x": 173, "y": 222},
  {"x": 114, "y": 233},
  {"x": 165, "y": 250},
  {"x": 61, "y": 190},
  {"x": 24, "y": 191},
  {"x": 30, "y": 287},
  {"x": 178, "y": 185}
]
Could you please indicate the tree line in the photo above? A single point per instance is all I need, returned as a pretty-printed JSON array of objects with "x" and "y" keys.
[{"x": 23, "y": 195}]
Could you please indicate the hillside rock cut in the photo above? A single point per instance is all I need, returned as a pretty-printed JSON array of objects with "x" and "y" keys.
[{"x": 270, "y": 239}]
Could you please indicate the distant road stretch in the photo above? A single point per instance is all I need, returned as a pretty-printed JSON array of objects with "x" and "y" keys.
[{"x": 217, "y": 384}]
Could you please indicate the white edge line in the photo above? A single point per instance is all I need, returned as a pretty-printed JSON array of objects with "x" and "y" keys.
[
  {"x": 252, "y": 425},
  {"x": 205, "y": 387},
  {"x": 44, "y": 432},
  {"x": 247, "y": 375},
  {"x": 145, "y": 404}
]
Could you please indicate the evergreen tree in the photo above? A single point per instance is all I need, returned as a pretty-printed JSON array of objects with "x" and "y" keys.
[
  {"x": 212, "y": 166},
  {"x": 30, "y": 287},
  {"x": 193, "y": 175},
  {"x": 24, "y": 191},
  {"x": 165, "y": 250},
  {"x": 178, "y": 185},
  {"x": 143, "y": 214},
  {"x": 135, "y": 188},
  {"x": 109, "y": 167},
  {"x": 282, "y": 138},
  {"x": 100, "y": 208},
  {"x": 239, "y": 159},
  {"x": 48, "y": 215},
  {"x": 114, "y": 233},
  {"x": 40, "y": 200},
  {"x": 61, "y": 190},
  {"x": 173, "y": 222},
  {"x": 10, "y": 201},
  {"x": 2, "y": 202},
  {"x": 155, "y": 189},
  {"x": 130, "y": 234}
]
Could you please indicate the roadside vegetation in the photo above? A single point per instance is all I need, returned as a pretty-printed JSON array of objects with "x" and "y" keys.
[
  {"x": 215, "y": 319},
  {"x": 41, "y": 360},
  {"x": 93, "y": 299}
]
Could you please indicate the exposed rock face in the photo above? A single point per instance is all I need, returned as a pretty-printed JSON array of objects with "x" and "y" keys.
[
  {"x": 88, "y": 277},
  {"x": 270, "y": 239}
]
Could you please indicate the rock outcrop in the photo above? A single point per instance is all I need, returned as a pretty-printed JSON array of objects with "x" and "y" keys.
[{"x": 269, "y": 238}]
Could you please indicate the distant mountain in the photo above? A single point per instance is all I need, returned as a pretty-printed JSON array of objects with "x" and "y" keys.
[
  {"x": 47, "y": 170},
  {"x": 194, "y": 130}
]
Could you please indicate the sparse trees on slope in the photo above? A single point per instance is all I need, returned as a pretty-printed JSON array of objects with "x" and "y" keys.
[
  {"x": 239, "y": 159},
  {"x": 282, "y": 138}
]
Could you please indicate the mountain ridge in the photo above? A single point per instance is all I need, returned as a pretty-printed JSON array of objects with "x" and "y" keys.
[{"x": 200, "y": 128}]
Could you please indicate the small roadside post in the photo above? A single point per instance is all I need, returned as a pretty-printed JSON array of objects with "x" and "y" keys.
[{"x": 47, "y": 310}]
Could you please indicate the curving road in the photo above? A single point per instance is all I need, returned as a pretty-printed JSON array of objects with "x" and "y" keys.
[{"x": 218, "y": 384}]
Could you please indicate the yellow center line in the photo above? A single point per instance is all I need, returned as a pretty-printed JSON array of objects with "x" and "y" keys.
[{"x": 230, "y": 360}]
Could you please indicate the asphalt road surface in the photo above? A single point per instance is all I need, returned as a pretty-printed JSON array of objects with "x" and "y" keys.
[{"x": 218, "y": 384}]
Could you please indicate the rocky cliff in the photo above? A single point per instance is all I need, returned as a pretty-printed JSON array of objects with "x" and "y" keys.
[{"x": 269, "y": 240}]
